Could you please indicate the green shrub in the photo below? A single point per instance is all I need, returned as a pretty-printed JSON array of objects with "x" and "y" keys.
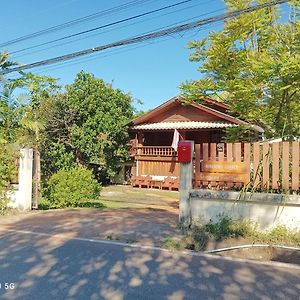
[
  {"x": 227, "y": 228},
  {"x": 280, "y": 235},
  {"x": 3, "y": 205},
  {"x": 173, "y": 244},
  {"x": 44, "y": 204},
  {"x": 7, "y": 172},
  {"x": 70, "y": 188}
]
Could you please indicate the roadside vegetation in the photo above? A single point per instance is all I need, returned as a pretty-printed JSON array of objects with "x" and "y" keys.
[
  {"x": 79, "y": 126},
  {"x": 231, "y": 232}
]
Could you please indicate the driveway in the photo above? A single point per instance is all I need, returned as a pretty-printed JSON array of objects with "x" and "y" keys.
[{"x": 147, "y": 226}]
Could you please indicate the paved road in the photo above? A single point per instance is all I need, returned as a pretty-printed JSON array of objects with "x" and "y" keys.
[{"x": 45, "y": 266}]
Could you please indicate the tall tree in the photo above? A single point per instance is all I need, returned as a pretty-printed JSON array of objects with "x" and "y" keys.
[
  {"x": 87, "y": 125},
  {"x": 255, "y": 60}
]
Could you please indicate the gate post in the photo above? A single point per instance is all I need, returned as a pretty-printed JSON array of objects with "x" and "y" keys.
[
  {"x": 186, "y": 183},
  {"x": 25, "y": 179}
]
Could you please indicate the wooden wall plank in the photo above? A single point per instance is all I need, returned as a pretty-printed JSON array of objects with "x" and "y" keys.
[
  {"x": 295, "y": 165},
  {"x": 213, "y": 156},
  {"x": 247, "y": 159},
  {"x": 237, "y": 156},
  {"x": 256, "y": 161},
  {"x": 285, "y": 165},
  {"x": 213, "y": 151},
  {"x": 229, "y": 155},
  {"x": 266, "y": 166},
  {"x": 237, "y": 152},
  {"x": 221, "y": 155},
  {"x": 205, "y": 151},
  {"x": 275, "y": 165},
  {"x": 197, "y": 157}
]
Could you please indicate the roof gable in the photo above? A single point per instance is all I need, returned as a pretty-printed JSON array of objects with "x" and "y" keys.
[{"x": 175, "y": 111}]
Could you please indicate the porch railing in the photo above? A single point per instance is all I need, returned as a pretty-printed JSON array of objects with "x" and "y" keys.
[{"x": 155, "y": 151}]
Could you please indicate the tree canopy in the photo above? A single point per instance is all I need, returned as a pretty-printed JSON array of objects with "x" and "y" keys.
[
  {"x": 255, "y": 63},
  {"x": 87, "y": 125}
]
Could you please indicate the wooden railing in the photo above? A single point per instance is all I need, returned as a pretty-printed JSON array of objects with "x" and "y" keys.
[{"x": 155, "y": 151}]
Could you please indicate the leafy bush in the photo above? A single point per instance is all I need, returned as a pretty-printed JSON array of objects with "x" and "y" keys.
[
  {"x": 45, "y": 204},
  {"x": 7, "y": 173},
  {"x": 3, "y": 205},
  {"x": 71, "y": 188}
]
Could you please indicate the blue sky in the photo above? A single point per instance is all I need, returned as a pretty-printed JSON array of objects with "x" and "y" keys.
[{"x": 150, "y": 72}]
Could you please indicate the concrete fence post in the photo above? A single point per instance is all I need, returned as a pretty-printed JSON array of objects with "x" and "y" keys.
[
  {"x": 25, "y": 179},
  {"x": 185, "y": 187}
]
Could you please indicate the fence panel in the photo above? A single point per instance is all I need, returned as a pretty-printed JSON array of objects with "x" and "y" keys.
[
  {"x": 268, "y": 165},
  {"x": 265, "y": 165}
]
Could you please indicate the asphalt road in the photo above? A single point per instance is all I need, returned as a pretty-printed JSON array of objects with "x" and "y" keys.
[{"x": 34, "y": 266}]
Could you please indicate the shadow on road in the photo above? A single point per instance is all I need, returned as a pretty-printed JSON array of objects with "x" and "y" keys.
[{"x": 55, "y": 267}]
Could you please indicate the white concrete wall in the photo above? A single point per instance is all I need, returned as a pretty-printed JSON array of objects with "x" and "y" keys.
[{"x": 259, "y": 208}]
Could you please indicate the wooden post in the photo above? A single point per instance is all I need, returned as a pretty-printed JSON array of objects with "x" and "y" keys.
[{"x": 36, "y": 178}]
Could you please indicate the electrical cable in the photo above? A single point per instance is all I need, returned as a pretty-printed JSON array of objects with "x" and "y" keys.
[
  {"x": 100, "y": 55},
  {"x": 142, "y": 38},
  {"x": 102, "y": 26},
  {"x": 73, "y": 22},
  {"x": 110, "y": 30}
]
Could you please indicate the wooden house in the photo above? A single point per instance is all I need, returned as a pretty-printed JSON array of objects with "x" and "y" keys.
[{"x": 152, "y": 133}]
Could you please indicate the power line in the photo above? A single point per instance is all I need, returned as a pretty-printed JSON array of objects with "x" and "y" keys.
[
  {"x": 123, "y": 26},
  {"x": 99, "y": 56},
  {"x": 74, "y": 22},
  {"x": 142, "y": 38},
  {"x": 103, "y": 26}
]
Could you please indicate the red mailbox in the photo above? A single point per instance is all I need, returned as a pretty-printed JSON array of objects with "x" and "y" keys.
[{"x": 184, "y": 151}]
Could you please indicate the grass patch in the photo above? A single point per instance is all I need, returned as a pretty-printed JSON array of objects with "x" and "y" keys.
[
  {"x": 198, "y": 236},
  {"x": 174, "y": 244},
  {"x": 45, "y": 204},
  {"x": 121, "y": 197},
  {"x": 228, "y": 228}
]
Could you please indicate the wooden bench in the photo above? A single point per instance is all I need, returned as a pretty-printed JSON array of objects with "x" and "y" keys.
[
  {"x": 171, "y": 183},
  {"x": 141, "y": 181}
]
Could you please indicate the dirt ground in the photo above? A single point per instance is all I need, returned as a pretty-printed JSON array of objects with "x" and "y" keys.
[{"x": 151, "y": 218}]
